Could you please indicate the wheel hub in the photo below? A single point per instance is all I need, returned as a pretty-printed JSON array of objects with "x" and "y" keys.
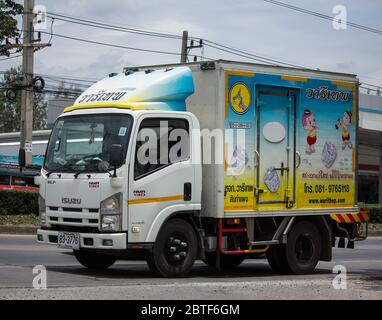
[
  {"x": 177, "y": 250},
  {"x": 304, "y": 249}
]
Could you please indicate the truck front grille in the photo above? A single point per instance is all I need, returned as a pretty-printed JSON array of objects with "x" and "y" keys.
[
  {"x": 76, "y": 217},
  {"x": 73, "y": 229},
  {"x": 67, "y": 209}
]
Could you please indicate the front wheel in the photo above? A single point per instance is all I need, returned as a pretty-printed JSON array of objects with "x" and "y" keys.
[
  {"x": 175, "y": 250},
  {"x": 94, "y": 260}
]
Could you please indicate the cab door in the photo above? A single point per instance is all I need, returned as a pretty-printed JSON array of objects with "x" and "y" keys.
[
  {"x": 275, "y": 145},
  {"x": 161, "y": 175}
]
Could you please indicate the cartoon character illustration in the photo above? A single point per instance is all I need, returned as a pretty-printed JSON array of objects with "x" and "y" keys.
[
  {"x": 345, "y": 123},
  {"x": 309, "y": 124}
]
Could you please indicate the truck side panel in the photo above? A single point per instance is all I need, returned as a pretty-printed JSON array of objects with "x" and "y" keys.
[{"x": 310, "y": 121}]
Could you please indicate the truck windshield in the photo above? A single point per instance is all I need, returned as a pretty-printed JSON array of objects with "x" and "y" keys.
[{"x": 82, "y": 143}]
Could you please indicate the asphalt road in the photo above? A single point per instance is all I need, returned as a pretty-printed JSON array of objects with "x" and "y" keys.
[{"x": 66, "y": 279}]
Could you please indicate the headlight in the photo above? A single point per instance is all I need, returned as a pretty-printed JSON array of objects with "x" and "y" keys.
[
  {"x": 110, "y": 223},
  {"x": 111, "y": 212},
  {"x": 42, "y": 211}
]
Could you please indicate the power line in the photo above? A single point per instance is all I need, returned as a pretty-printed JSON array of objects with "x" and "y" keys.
[
  {"x": 61, "y": 81},
  {"x": 91, "y": 23},
  {"x": 115, "y": 45},
  {"x": 236, "y": 53},
  {"x": 215, "y": 45},
  {"x": 106, "y": 26},
  {"x": 209, "y": 43},
  {"x": 324, "y": 16},
  {"x": 372, "y": 85},
  {"x": 19, "y": 55},
  {"x": 248, "y": 55}
]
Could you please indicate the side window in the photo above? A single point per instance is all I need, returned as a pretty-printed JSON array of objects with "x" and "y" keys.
[{"x": 160, "y": 143}]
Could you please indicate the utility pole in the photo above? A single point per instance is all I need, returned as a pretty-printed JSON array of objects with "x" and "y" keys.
[
  {"x": 186, "y": 48},
  {"x": 26, "y": 124},
  {"x": 183, "y": 56},
  {"x": 28, "y": 46}
]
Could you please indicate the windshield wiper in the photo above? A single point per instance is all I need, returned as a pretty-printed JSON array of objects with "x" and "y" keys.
[
  {"x": 81, "y": 171},
  {"x": 87, "y": 170}
]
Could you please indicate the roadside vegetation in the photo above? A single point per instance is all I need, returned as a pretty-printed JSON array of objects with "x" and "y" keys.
[
  {"x": 15, "y": 202},
  {"x": 19, "y": 220}
]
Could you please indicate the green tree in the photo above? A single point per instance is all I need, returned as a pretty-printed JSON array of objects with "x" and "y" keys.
[
  {"x": 8, "y": 24},
  {"x": 10, "y": 108}
]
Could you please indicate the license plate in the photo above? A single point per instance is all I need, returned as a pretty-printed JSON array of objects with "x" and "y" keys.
[{"x": 68, "y": 240}]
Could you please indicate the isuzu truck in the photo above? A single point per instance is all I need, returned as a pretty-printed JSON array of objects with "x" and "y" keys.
[{"x": 215, "y": 160}]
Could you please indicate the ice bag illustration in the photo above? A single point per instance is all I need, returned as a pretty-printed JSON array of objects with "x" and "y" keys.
[
  {"x": 271, "y": 179},
  {"x": 329, "y": 154},
  {"x": 238, "y": 161}
]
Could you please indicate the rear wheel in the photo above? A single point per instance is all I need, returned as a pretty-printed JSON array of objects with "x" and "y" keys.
[
  {"x": 175, "y": 250},
  {"x": 94, "y": 260},
  {"x": 303, "y": 249},
  {"x": 300, "y": 254},
  {"x": 226, "y": 261}
]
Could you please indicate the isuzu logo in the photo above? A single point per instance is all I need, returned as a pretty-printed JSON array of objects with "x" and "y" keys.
[{"x": 71, "y": 201}]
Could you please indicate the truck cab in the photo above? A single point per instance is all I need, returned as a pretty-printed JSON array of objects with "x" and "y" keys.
[{"x": 96, "y": 194}]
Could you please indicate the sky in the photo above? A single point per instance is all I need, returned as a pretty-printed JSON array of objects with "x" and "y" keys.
[{"x": 251, "y": 25}]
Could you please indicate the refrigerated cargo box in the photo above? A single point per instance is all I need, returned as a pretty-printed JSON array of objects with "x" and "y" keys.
[{"x": 290, "y": 139}]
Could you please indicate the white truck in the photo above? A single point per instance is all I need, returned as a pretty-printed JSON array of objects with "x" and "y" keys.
[{"x": 214, "y": 160}]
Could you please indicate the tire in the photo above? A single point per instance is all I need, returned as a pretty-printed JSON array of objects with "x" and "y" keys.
[
  {"x": 300, "y": 254},
  {"x": 92, "y": 260},
  {"x": 272, "y": 255},
  {"x": 174, "y": 251},
  {"x": 303, "y": 249},
  {"x": 276, "y": 256},
  {"x": 226, "y": 261}
]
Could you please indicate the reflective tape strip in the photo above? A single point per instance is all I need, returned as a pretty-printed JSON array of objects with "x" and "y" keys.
[
  {"x": 356, "y": 218},
  {"x": 351, "y": 218},
  {"x": 365, "y": 216}
]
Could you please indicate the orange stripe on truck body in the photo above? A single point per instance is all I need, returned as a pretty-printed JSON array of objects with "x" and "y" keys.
[{"x": 159, "y": 199}]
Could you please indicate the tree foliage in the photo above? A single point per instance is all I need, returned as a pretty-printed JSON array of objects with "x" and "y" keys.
[
  {"x": 10, "y": 108},
  {"x": 8, "y": 24}
]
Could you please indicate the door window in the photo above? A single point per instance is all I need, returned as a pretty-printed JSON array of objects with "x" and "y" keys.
[{"x": 160, "y": 143}]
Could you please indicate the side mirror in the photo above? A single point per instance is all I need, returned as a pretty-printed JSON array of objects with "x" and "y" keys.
[{"x": 116, "y": 156}]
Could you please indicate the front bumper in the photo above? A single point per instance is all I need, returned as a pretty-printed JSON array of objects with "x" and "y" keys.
[{"x": 87, "y": 240}]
